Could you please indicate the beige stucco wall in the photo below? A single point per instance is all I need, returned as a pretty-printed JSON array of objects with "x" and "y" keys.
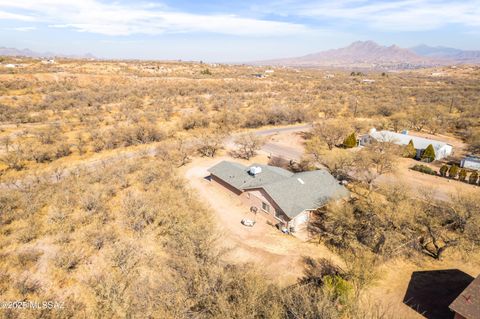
[{"x": 301, "y": 220}]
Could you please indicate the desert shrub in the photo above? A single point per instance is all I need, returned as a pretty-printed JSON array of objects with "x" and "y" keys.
[
  {"x": 26, "y": 284},
  {"x": 444, "y": 170},
  {"x": 138, "y": 210},
  {"x": 453, "y": 171},
  {"x": 68, "y": 259},
  {"x": 338, "y": 289},
  {"x": 409, "y": 151},
  {"x": 27, "y": 257},
  {"x": 462, "y": 175},
  {"x": 350, "y": 141},
  {"x": 62, "y": 150},
  {"x": 473, "y": 178},
  {"x": 195, "y": 120},
  {"x": 424, "y": 169},
  {"x": 208, "y": 144}
]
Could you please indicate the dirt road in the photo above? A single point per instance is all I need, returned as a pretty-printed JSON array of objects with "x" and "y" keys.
[{"x": 92, "y": 163}]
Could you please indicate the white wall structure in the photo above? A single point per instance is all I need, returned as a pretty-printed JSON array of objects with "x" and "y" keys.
[
  {"x": 471, "y": 162},
  {"x": 442, "y": 149}
]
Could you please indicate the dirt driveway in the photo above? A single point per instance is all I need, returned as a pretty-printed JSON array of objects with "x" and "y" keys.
[{"x": 278, "y": 254}]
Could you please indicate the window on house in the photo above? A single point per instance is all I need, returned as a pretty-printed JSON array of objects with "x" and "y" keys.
[
  {"x": 265, "y": 207},
  {"x": 278, "y": 214}
]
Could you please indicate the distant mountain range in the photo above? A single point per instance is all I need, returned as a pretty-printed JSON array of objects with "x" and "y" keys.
[
  {"x": 32, "y": 54},
  {"x": 457, "y": 55},
  {"x": 368, "y": 55}
]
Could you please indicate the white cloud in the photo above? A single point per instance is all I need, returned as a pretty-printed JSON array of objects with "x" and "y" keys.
[
  {"x": 121, "y": 19},
  {"x": 22, "y": 29},
  {"x": 13, "y": 16},
  {"x": 401, "y": 15}
]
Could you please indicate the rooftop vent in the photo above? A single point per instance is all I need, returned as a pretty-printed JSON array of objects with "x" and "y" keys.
[{"x": 254, "y": 170}]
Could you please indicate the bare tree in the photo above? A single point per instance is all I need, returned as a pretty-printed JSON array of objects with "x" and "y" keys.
[
  {"x": 209, "y": 143},
  {"x": 177, "y": 152},
  {"x": 248, "y": 144},
  {"x": 330, "y": 132},
  {"x": 375, "y": 160}
]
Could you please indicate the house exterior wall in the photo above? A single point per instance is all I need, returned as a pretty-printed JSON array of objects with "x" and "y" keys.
[
  {"x": 255, "y": 198},
  {"x": 458, "y": 316},
  {"x": 301, "y": 220},
  {"x": 443, "y": 152},
  {"x": 470, "y": 164},
  {"x": 225, "y": 184}
]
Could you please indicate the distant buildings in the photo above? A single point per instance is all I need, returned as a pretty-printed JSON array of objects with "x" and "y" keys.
[
  {"x": 471, "y": 162},
  {"x": 441, "y": 149},
  {"x": 49, "y": 61}
]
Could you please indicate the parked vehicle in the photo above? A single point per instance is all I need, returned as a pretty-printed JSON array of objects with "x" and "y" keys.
[
  {"x": 248, "y": 222},
  {"x": 282, "y": 228}
]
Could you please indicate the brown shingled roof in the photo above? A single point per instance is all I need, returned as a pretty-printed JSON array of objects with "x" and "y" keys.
[{"x": 467, "y": 303}]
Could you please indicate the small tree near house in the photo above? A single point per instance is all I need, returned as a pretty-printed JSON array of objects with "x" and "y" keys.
[
  {"x": 429, "y": 154},
  {"x": 444, "y": 170},
  {"x": 350, "y": 141},
  {"x": 410, "y": 151},
  {"x": 247, "y": 145},
  {"x": 462, "y": 176},
  {"x": 453, "y": 171},
  {"x": 473, "y": 178}
]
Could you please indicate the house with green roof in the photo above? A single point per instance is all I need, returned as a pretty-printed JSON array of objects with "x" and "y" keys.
[{"x": 282, "y": 196}]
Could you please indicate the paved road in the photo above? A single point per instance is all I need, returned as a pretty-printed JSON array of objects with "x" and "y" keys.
[
  {"x": 286, "y": 152},
  {"x": 287, "y": 129}
]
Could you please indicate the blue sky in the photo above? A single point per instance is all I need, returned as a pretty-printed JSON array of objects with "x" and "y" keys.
[{"x": 232, "y": 31}]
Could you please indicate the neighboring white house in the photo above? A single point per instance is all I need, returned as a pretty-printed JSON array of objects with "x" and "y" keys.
[
  {"x": 471, "y": 162},
  {"x": 442, "y": 149}
]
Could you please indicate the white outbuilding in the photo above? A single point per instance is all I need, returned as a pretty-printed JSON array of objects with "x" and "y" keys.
[
  {"x": 471, "y": 162},
  {"x": 442, "y": 149}
]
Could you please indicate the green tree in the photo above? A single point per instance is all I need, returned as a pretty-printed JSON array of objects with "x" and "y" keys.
[
  {"x": 429, "y": 154},
  {"x": 350, "y": 141},
  {"x": 410, "y": 151},
  {"x": 462, "y": 176},
  {"x": 473, "y": 178},
  {"x": 444, "y": 170},
  {"x": 337, "y": 288},
  {"x": 453, "y": 171}
]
